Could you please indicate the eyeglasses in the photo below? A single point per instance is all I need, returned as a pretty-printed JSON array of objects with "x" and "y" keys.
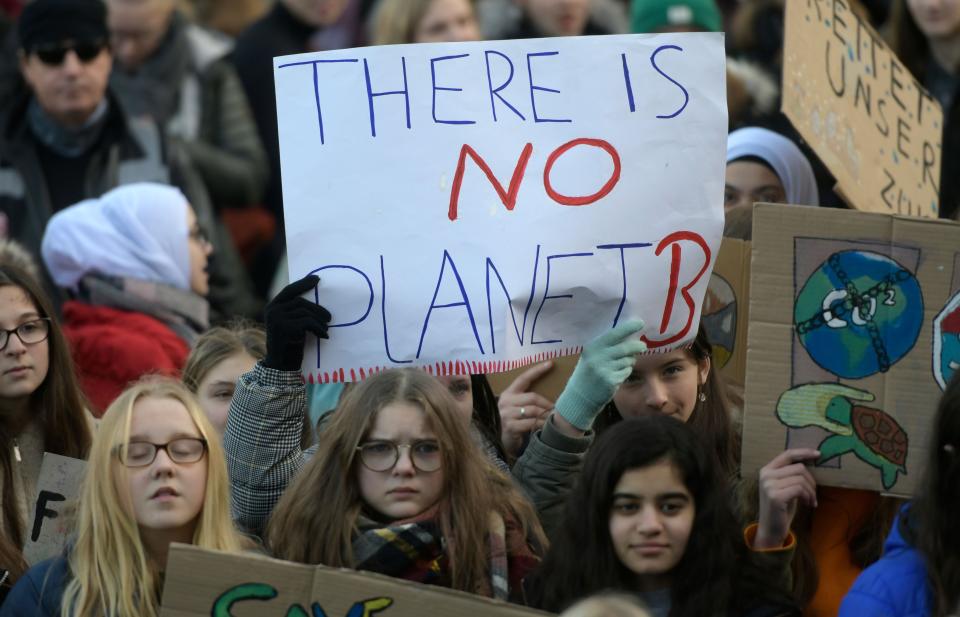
[
  {"x": 53, "y": 55},
  {"x": 143, "y": 453},
  {"x": 29, "y": 333},
  {"x": 383, "y": 455}
]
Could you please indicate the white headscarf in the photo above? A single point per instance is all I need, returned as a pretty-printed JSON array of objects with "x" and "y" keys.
[
  {"x": 786, "y": 159},
  {"x": 135, "y": 231}
]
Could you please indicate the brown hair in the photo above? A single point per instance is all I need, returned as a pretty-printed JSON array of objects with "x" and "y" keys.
[
  {"x": 907, "y": 41},
  {"x": 60, "y": 406},
  {"x": 316, "y": 518}
]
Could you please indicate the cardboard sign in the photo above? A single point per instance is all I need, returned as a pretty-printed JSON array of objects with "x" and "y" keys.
[
  {"x": 550, "y": 385},
  {"x": 726, "y": 311},
  {"x": 57, "y": 489},
  {"x": 475, "y": 207},
  {"x": 202, "y": 583},
  {"x": 851, "y": 317},
  {"x": 869, "y": 120}
]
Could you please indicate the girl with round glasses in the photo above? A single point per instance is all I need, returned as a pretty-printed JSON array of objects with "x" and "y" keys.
[
  {"x": 41, "y": 408},
  {"x": 396, "y": 467},
  {"x": 156, "y": 475}
]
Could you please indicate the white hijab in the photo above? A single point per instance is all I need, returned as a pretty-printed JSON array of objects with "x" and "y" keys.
[
  {"x": 786, "y": 159},
  {"x": 135, "y": 231}
]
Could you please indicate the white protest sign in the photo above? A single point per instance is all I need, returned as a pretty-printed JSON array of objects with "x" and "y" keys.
[
  {"x": 57, "y": 489},
  {"x": 474, "y": 207}
]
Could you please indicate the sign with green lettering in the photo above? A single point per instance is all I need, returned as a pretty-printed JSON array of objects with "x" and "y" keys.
[{"x": 202, "y": 583}]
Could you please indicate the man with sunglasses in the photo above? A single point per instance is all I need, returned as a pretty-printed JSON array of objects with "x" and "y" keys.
[{"x": 68, "y": 138}]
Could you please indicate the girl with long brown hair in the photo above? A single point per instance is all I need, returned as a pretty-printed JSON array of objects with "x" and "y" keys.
[
  {"x": 396, "y": 467},
  {"x": 41, "y": 406}
]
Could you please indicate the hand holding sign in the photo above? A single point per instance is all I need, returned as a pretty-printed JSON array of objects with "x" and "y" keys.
[
  {"x": 288, "y": 318},
  {"x": 522, "y": 411},
  {"x": 605, "y": 363},
  {"x": 784, "y": 482}
]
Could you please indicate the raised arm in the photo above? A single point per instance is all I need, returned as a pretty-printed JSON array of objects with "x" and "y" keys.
[{"x": 264, "y": 425}]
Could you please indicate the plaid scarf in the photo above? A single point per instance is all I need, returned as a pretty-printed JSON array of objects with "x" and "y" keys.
[{"x": 415, "y": 550}]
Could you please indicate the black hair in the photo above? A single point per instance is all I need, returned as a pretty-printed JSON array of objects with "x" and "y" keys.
[
  {"x": 714, "y": 570},
  {"x": 486, "y": 413}
]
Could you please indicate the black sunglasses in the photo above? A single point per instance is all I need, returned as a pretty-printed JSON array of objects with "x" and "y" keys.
[{"x": 54, "y": 55}]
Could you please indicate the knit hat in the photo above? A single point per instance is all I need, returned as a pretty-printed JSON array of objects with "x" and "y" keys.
[
  {"x": 48, "y": 22},
  {"x": 652, "y": 15}
]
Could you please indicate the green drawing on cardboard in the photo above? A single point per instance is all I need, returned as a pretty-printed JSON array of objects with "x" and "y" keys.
[{"x": 870, "y": 434}]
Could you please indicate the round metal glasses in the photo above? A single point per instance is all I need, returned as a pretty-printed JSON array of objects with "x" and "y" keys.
[{"x": 383, "y": 455}]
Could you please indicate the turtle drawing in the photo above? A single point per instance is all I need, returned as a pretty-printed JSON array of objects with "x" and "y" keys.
[{"x": 871, "y": 434}]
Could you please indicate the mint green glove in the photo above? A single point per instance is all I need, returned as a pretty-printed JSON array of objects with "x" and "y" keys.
[{"x": 604, "y": 364}]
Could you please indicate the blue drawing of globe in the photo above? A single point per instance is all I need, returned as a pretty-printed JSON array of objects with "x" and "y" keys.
[{"x": 859, "y": 313}]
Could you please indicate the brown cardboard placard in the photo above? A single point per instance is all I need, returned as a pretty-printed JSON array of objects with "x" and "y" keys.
[
  {"x": 873, "y": 124},
  {"x": 854, "y": 318},
  {"x": 726, "y": 311},
  {"x": 58, "y": 486},
  {"x": 550, "y": 385},
  {"x": 215, "y": 584}
]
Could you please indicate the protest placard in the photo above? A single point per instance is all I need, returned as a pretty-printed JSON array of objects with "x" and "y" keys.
[
  {"x": 854, "y": 321},
  {"x": 473, "y": 207},
  {"x": 725, "y": 309},
  {"x": 868, "y": 119},
  {"x": 550, "y": 385},
  {"x": 58, "y": 486},
  {"x": 215, "y": 584}
]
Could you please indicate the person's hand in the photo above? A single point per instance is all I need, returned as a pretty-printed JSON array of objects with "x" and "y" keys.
[
  {"x": 522, "y": 411},
  {"x": 604, "y": 364},
  {"x": 288, "y": 318},
  {"x": 784, "y": 482}
]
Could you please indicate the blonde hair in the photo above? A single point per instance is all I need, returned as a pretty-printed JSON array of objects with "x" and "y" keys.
[
  {"x": 316, "y": 518},
  {"x": 218, "y": 344},
  {"x": 111, "y": 574},
  {"x": 395, "y": 21}
]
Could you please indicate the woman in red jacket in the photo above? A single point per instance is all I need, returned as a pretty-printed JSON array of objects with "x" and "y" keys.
[{"x": 135, "y": 263}]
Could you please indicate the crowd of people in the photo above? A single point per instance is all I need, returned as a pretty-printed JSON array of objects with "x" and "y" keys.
[{"x": 141, "y": 243}]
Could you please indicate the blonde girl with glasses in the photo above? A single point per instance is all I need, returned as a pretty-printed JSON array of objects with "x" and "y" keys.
[
  {"x": 41, "y": 408},
  {"x": 156, "y": 475},
  {"x": 396, "y": 467}
]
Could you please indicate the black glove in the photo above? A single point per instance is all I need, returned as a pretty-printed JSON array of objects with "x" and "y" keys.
[{"x": 288, "y": 318}]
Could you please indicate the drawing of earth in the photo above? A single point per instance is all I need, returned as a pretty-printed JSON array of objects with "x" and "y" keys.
[
  {"x": 859, "y": 313},
  {"x": 720, "y": 319}
]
